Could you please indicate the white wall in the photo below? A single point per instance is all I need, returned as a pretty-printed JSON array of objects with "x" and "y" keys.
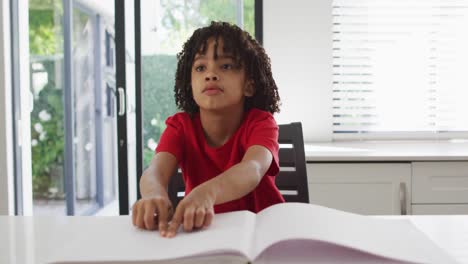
[
  {"x": 301, "y": 62},
  {"x": 6, "y": 157}
]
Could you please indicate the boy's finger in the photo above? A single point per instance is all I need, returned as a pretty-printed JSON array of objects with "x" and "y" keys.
[
  {"x": 199, "y": 217},
  {"x": 163, "y": 217},
  {"x": 140, "y": 218},
  {"x": 173, "y": 227},
  {"x": 134, "y": 214},
  {"x": 149, "y": 217},
  {"x": 208, "y": 217},
  {"x": 188, "y": 219},
  {"x": 175, "y": 222}
]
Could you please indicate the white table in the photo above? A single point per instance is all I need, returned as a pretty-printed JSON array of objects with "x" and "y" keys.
[{"x": 28, "y": 239}]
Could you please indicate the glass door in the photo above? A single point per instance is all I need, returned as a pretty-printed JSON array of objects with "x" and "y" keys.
[
  {"x": 94, "y": 143},
  {"x": 66, "y": 107}
]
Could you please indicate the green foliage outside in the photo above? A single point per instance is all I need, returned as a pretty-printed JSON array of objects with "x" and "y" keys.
[
  {"x": 47, "y": 137},
  {"x": 47, "y": 133},
  {"x": 222, "y": 10},
  {"x": 42, "y": 33},
  {"x": 158, "y": 101},
  {"x": 181, "y": 18}
]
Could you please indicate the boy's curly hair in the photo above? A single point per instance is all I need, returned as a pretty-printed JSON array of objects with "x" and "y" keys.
[{"x": 247, "y": 52}]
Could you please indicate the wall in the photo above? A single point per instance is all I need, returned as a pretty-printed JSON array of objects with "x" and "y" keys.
[
  {"x": 6, "y": 157},
  {"x": 297, "y": 37}
]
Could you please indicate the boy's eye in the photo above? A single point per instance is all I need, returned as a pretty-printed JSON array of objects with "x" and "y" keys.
[
  {"x": 199, "y": 68},
  {"x": 227, "y": 66}
]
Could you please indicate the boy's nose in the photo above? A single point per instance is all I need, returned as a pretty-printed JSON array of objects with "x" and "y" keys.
[{"x": 211, "y": 77}]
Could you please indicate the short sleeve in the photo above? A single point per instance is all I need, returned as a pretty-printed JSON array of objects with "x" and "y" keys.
[
  {"x": 264, "y": 132},
  {"x": 172, "y": 138}
]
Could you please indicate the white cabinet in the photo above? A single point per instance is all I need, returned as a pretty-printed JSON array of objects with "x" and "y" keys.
[
  {"x": 440, "y": 187},
  {"x": 390, "y": 188},
  {"x": 439, "y": 209},
  {"x": 440, "y": 182},
  {"x": 364, "y": 188}
]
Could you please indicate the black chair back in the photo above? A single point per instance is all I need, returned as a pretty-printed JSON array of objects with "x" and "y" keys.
[
  {"x": 292, "y": 179},
  {"x": 176, "y": 188}
]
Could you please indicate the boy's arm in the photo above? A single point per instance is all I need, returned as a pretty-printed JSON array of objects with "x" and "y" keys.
[
  {"x": 243, "y": 177},
  {"x": 153, "y": 188},
  {"x": 155, "y": 178},
  {"x": 196, "y": 209}
]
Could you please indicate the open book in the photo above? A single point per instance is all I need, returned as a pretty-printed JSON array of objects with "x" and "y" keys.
[{"x": 283, "y": 233}]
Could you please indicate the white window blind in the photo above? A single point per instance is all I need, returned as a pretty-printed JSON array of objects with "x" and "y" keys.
[{"x": 400, "y": 69}]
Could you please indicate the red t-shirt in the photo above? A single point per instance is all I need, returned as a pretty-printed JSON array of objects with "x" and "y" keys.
[{"x": 185, "y": 139}]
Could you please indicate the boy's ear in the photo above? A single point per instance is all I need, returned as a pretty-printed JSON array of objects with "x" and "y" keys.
[{"x": 249, "y": 89}]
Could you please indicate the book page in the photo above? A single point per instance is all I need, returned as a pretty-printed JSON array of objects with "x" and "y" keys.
[
  {"x": 115, "y": 239},
  {"x": 313, "y": 251},
  {"x": 224, "y": 258},
  {"x": 388, "y": 238}
]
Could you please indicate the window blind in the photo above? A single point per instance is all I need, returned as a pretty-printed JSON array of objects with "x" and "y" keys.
[{"x": 400, "y": 68}]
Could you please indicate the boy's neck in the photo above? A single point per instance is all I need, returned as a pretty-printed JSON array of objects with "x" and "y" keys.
[{"x": 220, "y": 126}]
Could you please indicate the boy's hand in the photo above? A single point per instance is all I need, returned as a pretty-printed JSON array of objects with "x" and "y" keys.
[
  {"x": 194, "y": 211},
  {"x": 152, "y": 212}
]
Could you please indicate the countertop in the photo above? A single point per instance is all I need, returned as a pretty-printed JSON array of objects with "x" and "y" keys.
[{"x": 443, "y": 150}]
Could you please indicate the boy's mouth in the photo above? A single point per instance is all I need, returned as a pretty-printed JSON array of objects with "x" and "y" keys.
[{"x": 212, "y": 90}]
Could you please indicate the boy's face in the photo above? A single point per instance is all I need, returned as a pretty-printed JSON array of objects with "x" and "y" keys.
[{"x": 218, "y": 84}]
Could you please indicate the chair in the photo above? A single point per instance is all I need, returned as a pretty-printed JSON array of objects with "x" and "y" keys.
[{"x": 292, "y": 178}]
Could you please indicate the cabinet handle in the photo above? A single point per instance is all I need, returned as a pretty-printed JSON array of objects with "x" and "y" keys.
[{"x": 403, "y": 198}]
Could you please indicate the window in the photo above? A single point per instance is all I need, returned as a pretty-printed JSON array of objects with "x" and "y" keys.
[{"x": 399, "y": 69}]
